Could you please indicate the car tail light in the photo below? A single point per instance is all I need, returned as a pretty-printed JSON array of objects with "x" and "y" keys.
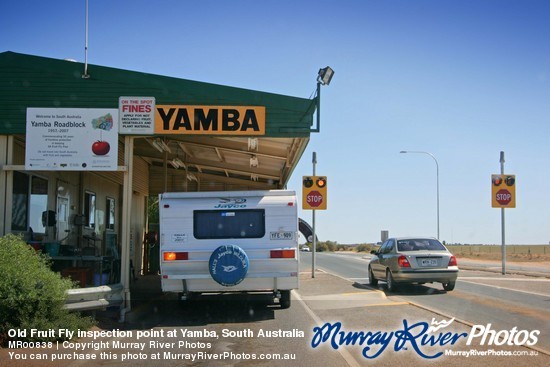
[
  {"x": 283, "y": 254},
  {"x": 403, "y": 262},
  {"x": 172, "y": 256},
  {"x": 452, "y": 261}
]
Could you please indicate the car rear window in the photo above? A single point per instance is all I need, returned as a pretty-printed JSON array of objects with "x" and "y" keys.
[
  {"x": 420, "y": 244},
  {"x": 218, "y": 224}
]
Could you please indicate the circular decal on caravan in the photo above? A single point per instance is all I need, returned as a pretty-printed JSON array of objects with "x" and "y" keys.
[{"x": 228, "y": 265}]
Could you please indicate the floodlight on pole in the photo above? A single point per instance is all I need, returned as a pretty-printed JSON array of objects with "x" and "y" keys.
[
  {"x": 323, "y": 78},
  {"x": 325, "y": 75}
]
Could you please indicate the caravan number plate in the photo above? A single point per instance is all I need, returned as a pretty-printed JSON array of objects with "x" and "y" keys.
[{"x": 282, "y": 235}]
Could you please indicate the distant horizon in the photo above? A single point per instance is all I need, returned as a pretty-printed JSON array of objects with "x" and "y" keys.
[{"x": 446, "y": 244}]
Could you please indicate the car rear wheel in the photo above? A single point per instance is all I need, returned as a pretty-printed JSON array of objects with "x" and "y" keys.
[
  {"x": 392, "y": 286},
  {"x": 372, "y": 280},
  {"x": 449, "y": 286}
]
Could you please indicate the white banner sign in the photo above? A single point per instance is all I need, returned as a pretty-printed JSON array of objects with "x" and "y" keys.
[
  {"x": 72, "y": 139},
  {"x": 136, "y": 115}
]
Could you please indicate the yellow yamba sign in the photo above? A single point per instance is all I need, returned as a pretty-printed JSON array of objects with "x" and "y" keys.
[{"x": 210, "y": 120}]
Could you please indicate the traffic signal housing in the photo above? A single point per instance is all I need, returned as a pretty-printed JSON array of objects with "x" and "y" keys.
[
  {"x": 314, "y": 192},
  {"x": 503, "y": 191}
]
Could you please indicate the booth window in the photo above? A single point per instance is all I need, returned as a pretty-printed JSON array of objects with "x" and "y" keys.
[
  {"x": 30, "y": 200},
  {"x": 89, "y": 209},
  {"x": 110, "y": 220}
]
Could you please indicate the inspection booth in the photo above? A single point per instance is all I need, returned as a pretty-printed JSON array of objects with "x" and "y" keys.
[{"x": 82, "y": 147}]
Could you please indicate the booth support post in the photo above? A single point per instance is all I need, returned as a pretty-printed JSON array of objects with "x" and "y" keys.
[{"x": 126, "y": 224}]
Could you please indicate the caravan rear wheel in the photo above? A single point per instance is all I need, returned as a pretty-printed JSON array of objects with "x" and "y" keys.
[{"x": 284, "y": 301}]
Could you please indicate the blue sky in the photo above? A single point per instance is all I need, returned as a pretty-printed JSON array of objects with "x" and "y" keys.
[{"x": 462, "y": 80}]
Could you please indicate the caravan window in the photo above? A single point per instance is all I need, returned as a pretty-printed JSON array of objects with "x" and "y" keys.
[{"x": 217, "y": 224}]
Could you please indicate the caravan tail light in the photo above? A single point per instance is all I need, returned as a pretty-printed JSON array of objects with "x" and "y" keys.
[
  {"x": 283, "y": 254},
  {"x": 172, "y": 256}
]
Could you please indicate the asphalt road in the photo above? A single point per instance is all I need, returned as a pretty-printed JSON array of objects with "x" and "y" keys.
[
  {"x": 479, "y": 297},
  {"x": 193, "y": 334}
]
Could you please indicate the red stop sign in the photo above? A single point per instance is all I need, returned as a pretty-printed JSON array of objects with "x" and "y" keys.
[
  {"x": 314, "y": 199},
  {"x": 503, "y": 197}
]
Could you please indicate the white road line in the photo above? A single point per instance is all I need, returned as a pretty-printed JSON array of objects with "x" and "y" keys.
[
  {"x": 507, "y": 279},
  {"x": 351, "y": 257},
  {"x": 508, "y": 289}
]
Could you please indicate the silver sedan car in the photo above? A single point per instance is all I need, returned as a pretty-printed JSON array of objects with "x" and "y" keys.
[{"x": 413, "y": 260}]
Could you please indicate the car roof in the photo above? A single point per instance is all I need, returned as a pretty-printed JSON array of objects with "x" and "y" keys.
[{"x": 413, "y": 238}]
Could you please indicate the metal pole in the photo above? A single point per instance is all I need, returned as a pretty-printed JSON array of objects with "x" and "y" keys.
[
  {"x": 85, "y": 75},
  {"x": 318, "y": 129},
  {"x": 318, "y": 106},
  {"x": 437, "y": 169},
  {"x": 126, "y": 225},
  {"x": 314, "y": 161},
  {"x": 437, "y": 181},
  {"x": 503, "y": 223}
]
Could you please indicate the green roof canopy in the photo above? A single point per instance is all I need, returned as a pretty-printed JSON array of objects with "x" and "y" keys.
[
  {"x": 32, "y": 81},
  {"x": 216, "y": 162}
]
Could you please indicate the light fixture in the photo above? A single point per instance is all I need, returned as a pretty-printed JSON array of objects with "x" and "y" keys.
[
  {"x": 191, "y": 177},
  {"x": 252, "y": 144},
  {"x": 157, "y": 145},
  {"x": 254, "y": 177},
  {"x": 177, "y": 163},
  {"x": 163, "y": 145},
  {"x": 160, "y": 145},
  {"x": 254, "y": 161},
  {"x": 325, "y": 75}
]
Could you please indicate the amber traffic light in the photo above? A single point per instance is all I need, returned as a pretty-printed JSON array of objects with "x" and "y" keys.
[
  {"x": 503, "y": 191},
  {"x": 314, "y": 192}
]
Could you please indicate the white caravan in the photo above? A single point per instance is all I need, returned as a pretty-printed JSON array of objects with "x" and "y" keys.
[{"x": 229, "y": 241}]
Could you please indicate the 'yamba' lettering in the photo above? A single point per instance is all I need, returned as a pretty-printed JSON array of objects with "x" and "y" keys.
[{"x": 214, "y": 120}]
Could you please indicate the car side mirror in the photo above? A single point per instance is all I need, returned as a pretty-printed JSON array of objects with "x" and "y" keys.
[{"x": 374, "y": 252}]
